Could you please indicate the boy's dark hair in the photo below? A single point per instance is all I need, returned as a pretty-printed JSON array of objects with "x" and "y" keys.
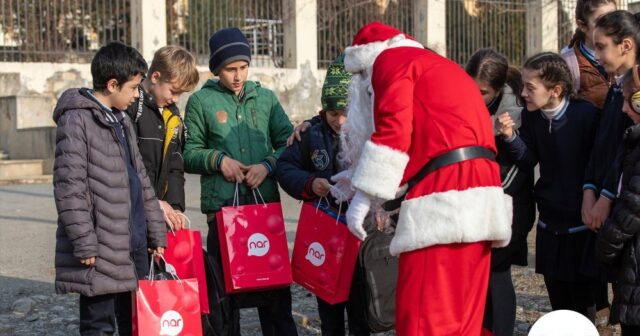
[
  {"x": 552, "y": 71},
  {"x": 116, "y": 61},
  {"x": 492, "y": 67},
  {"x": 620, "y": 25},
  {"x": 584, "y": 9}
]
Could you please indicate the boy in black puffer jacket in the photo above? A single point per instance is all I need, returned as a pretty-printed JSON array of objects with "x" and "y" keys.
[
  {"x": 619, "y": 239},
  {"x": 304, "y": 171},
  {"x": 160, "y": 129}
]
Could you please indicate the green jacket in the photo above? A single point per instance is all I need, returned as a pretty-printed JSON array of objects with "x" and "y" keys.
[{"x": 251, "y": 130}]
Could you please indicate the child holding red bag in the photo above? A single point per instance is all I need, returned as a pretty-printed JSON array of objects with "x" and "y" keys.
[{"x": 304, "y": 171}]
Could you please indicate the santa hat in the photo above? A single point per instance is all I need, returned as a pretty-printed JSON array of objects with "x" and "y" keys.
[{"x": 369, "y": 42}]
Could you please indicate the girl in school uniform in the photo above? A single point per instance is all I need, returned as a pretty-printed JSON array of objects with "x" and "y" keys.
[
  {"x": 557, "y": 133},
  {"x": 500, "y": 86}
]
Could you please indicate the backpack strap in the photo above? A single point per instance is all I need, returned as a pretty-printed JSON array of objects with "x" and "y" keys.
[{"x": 569, "y": 56}]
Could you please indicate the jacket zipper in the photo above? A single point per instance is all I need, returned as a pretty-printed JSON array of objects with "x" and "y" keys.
[
  {"x": 113, "y": 132},
  {"x": 254, "y": 117}
]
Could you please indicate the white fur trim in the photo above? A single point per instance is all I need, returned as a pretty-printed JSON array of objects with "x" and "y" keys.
[
  {"x": 361, "y": 57},
  {"x": 455, "y": 216},
  {"x": 379, "y": 170}
]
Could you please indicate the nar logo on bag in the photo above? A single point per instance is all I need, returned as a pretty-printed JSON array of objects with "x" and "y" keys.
[
  {"x": 258, "y": 245},
  {"x": 171, "y": 323},
  {"x": 315, "y": 254}
]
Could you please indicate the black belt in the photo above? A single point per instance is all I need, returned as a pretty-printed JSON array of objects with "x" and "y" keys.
[{"x": 443, "y": 160}]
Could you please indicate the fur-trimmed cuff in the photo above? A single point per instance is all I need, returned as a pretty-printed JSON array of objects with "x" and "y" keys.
[
  {"x": 454, "y": 216},
  {"x": 380, "y": 170}
]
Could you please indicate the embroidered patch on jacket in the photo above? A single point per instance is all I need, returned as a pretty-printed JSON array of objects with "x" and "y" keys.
[
  {"x": 320, "y": 159},
  {"x": 222, "y": 117}
]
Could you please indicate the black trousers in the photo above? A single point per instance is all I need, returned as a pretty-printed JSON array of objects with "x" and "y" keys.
[
  {"x": 500, "y": 310},
  {"x": 100, "y": 314},
  {"x": 576, "y": 296},
  {"x": 332, "y": 319},
  {"x": 276, "y": 318},
  {"x": 630, "y": 330},
  {"x": 601, "y": 293}
]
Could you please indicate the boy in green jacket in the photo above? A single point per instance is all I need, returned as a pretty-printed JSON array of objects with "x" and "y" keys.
[{"x": 236, "y": 132}]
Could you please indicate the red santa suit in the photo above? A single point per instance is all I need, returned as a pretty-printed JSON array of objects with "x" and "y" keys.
[{"x": 425, "y": 105}]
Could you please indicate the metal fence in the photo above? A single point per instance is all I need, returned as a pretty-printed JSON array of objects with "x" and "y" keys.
[
  {"x": 566, "y": 22},
  {"x": 498, "y": 24},
  {"x": 338, "y": 21},
  {"x": 190, "y": 23},
  {"x": 60, "y": 30}
]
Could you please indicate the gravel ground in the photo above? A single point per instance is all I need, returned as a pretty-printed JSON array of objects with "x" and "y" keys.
[{"x": 28, "y": 305}]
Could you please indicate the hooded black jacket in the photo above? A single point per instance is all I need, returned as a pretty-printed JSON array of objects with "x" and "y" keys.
[{"x": 165, "y": 170}]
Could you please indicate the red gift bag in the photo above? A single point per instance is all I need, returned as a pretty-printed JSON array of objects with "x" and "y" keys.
[
  {"x": 253, "y": 245},
  {"x": 184, "y": 252},
  {"x": 324, "y": 253},
  {"x": 167, "y": 307}
]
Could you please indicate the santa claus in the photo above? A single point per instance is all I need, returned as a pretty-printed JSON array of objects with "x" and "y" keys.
[{"x": 417, "y": 119}]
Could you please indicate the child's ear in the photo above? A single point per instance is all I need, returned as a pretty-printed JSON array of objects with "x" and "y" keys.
[
  {"x": 627, "y": 45},
  {"x": 155, "y": 77},
  {"x": 112, "y": 85},
  {"x": 557, "y": 91},
  {"x": 582, "y": 26}
]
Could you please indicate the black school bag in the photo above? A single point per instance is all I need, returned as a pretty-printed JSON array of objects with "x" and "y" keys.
[{"x": 376, "y": 274}]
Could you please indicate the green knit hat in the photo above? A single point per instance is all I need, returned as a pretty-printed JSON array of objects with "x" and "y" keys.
[{"x": 334, "y": 89}]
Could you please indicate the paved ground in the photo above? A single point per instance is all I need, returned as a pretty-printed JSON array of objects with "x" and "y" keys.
[{"x": 29, "y": 307}]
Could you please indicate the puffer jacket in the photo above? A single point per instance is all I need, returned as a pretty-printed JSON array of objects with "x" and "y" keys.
[
  {"x": 91, "y": 189},
  {"x": 593, "y": 84},
  {"x": 618, "y": 242}
]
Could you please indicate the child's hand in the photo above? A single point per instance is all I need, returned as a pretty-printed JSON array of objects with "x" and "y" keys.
[
  {"x": 320, "y": 187},
  {"x": 255, "y": 175},
  {"x": 156, "y": 250},
  {"x": 232, "y": 170},
  {"x": 88, "y": 261},
  {"x": 600, "y": 212},
  {"x": 505, "y": 125},
  {"x": 171, "y": 217},
  {"x": 588, "y": 201},
  {"x": 296, "y": 132}
]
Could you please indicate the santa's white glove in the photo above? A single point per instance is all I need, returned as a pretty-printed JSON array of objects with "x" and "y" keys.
[
  {"x": 358, "y": 210},
  {"x": 342, "y": 190}
]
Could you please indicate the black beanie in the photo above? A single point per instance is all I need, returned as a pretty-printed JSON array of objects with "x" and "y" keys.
[{"x": 226, "y": 46}]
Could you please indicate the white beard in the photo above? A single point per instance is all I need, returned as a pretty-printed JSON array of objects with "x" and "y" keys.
[{"x": 359, "y": 125}]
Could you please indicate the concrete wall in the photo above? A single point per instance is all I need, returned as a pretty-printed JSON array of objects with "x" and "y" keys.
[
  {"x": 298, "y": 90},
  {"x": 26, "y": 128}
]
